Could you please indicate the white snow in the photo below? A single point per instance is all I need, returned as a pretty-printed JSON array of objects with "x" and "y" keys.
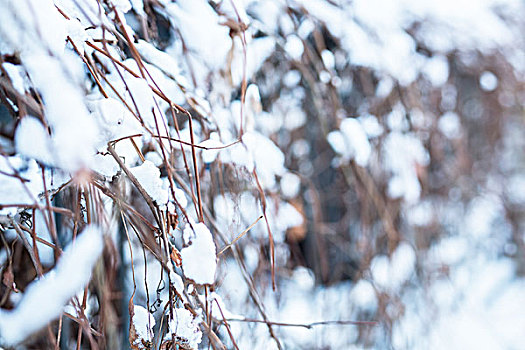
[
  {"x": 185, "y": 328},
  {"x": 402, "y": 153},
  {"x": 294, "y": 118},
  {"x": 33, "y": 141},
  {"x": 148, "y": 175},
  {"x": 140, "y": 95},
  {"x": 392, "y": 273},
  {"x": 384, "y": 87},
  {"x": 44, "y": 299},
  {"x": 515, "y": 189},
  {"x": 23, "y": 23},
  {"x": 12, "y": 189},
  {"x": 162, "y": 60},
  {"x": 420, "y": 214},
  {"x": 17, "y": 76},
  {"x": 364, "y": 295},
  {"x": 294, "y": 47},
  {"x": 472, "y": 296},
  {"x": 450, "y": 125},
  {"x": 216, "y": 301},
  {"x": 257, "y": 52},
  {"x": 143, "y": 322},
  {"x": 351, "y": 142},
  {"x": 199, "y": 260},
  {"x": 488, "y": 81},
  {"x": 328, "y": 59},
  {"x": 257, "y": 151},
  {"x": 436, "y": 70},
  {"x": 291, "y": 78},
  {"x": 209, "y": 155},
  {"x": 114, "y": 120},
  {"x": 199, "y": 25},
  {"x": 54, "y": 73},
  {"x": 290, "y": 185},
  {"x": 122, "y": 5}
]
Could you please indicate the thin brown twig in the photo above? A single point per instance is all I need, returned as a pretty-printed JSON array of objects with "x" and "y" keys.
[
  {"x": 135, "y": 182},
  {"x": 307, "y": 325},
  {"x": 270, "y": 235},
  {"x": 239, "y": 236},
  {"x": 179, "y": 141}
]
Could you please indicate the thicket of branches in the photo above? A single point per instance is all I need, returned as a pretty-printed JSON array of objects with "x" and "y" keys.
[{"x": 320, "y": 153}]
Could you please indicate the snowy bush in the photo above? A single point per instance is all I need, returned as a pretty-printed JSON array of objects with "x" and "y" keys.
[{"x": 261, "y": 174}]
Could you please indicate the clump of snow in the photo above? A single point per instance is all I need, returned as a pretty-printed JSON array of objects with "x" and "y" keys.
[
  {"x": 65, "y": 110},
  {"x": 143, "y": 323},
  {"x": 363, "y": 295},
  {"x": 436, "y": 70},
  {"x": 148, "y": 175},
  {"x": 488, "y": 81},
  {"x": 450, "y": 125},
  {"x": 294, "y": 47},
  {"x": 17, "y": 77},
  {"x": 33, "y": 141},
  {"x": 402, "y": 154},
  {"x": 114, "y": 120},
  {"x": 290, "y": 185},
  {"x": 324, "y": 76},
  {"x": 162, "y": 60},
  {"x": 351, "y": 142},
  {"x": 449, "y": 251},
  {"x": 420, "y": 214},
  {"x": 384, "y": 87},
  {"x": 258, "y": 51},
  {"x": 515, "y": 189},
  {"x": 304, "y": 278},
  {"x": 253, "y": 100},
  {"x": 286, "y": 217},
  {"x": 260, "y": 152},
  {"x": 122, "y": 5},
  {"x": 77, "y": 34},
  {"x": 23, "y": 23},
  {"x": 482, "y": 213},
  {"x": 177, "y": 282},
  {"x": 209, "y": 155},
  {"x": 300, "y": 148},
  {"x": 139, "y": 94},
  {"x": 184, "y": 329},
  {"x": 380, "y": 270},
  {"x": 294, "y": 118},
  {"x": 44, "y": 299},
  {"x": 393, "y": 272},
  {"x": 328, "y": 59},
  {"x": 191, "y": 17},
  {"x": 292, "y": 78},
  {"x": 138, "y": 6},
  {"x": 396, "y": 119},
  {"x": 371, "y": 125},
  {"x": 199, "y": 260},
  {"x": 180, "y": 197},
  {"x": 54, "y": 73}
]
